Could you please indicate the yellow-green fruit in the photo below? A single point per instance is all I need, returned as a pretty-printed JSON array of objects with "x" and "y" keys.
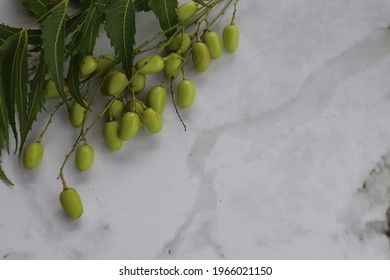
[
  {"x": 104, "y": 63},
  {"x": 138, "y": 107},
  {"x": 157, "y": 98},
  {"x": 111, "y": 137},
  {"x": 186, "y": 93},
  {"x": 150, "y": 64},
  {"x": 173, "y": 64},
  {"x": 77, "y": 114},
  {"x": 84, "y": 157},
  {"x": 114, "y": 83},
  {"x": 33, "y": 155},
  {"x": 88, "y": 65},
  {"x": 129, "y": 125},
  {"x": 51, "y": 89},
  {"x": 152, "y": 120},
  {"x": 201, "y": 57},
  {"x": 180, "y": 42},
  {"x": 71, "y": 203},
  {"x": 115, "y": 110},
  {"x": 186, "y": 11},
  {"x": 214, "y": 44},
  {"x": 231, "y": 37},
  {"x": 138, "y": 83}
]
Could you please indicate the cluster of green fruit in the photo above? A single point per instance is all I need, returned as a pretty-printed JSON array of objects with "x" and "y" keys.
[{"x": 125, "y": 114}]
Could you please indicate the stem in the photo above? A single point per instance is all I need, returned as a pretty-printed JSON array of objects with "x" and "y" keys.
[
  {"x": 174, "y": 103},
  {"x": 58, "y": 106},
  {"x": 235, "y": 11}
]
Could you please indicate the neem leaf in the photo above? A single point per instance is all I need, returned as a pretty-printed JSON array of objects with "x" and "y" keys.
[
  {"x": 37, "y": 7},
  {"x": 142, "y": 6},
  {"x": 4, "y": 121},
  {"x": 36, "y": 99},
  {"x": 2, "y": 174},
  {"x": 34, "y": 35},
  {"x": 53, "y": 43},
  {"x": 120, "y": 29},
  {"x": 165, "y": 10},
  {"x": 73, "y": 79}
]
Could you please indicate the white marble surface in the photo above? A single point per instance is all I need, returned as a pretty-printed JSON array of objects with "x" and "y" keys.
[{"x": 286, "y": 156}]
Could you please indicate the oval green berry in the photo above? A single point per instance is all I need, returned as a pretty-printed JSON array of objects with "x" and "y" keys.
[
  {"x": 111, "y": 137},
  {"x": 104, "y": 63},
  {"x": 33, "y": 155},
  {"x": 152, "y": 120},
  {"x": 77, "y": 114},
  {"x": 180, "y": 43},
  {"x": 137, "y": 107},
  {"x": 51, "y": 89},
  {"x": 115, "y": 110},
  {"x": 186, "y": 93},
  {"x": 231, "y": 37},
  {"x": 129, "y": 125},
  {"x": 173, "y": 64},
  {"x": 201, "y": 56},
  {"x": 150, "y": 64},
  {"x": 214, "y": 44},
  {"x": 88, "y": 65},
  {"x": 138, "y": 83},
  {"x": 186, "y": 10},
  {"x": 157, "y": 98},
  {"x": 114, "y": 83},
  {"x": 84, "y": 157},
  {"x": 71, "y": 203}
]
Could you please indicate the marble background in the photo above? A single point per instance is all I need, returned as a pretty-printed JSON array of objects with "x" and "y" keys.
[{"x": 286, "y": 155}]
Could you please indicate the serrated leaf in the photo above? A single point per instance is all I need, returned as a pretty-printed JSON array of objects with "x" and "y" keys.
[
  {"x": 2, "y": 174},
  {"x": 38, "y": 7},
  {"x": 73, "y": 79},
  {"x": 142, "y": 6},
  {"x": 53, "y": 43},
  {"x": 165, "y": 10},
  {"x": 8, "y": 69},
  {"x": 90, "y": 29},
  {"x": 34, "y": 35},
  {"x": 36, "y": 100},
  {"x": 85, "y": 4},
  {"x": 4, "y": 121},
  {"x": 120, "y": 29}
]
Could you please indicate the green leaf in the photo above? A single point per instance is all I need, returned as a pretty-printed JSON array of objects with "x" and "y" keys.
[
  {"x": 120, "y": 29},
  {"x": 34, "y": 35},
  {"x": 85, "y": 3},
  {"x": 2, "y": 174},
  {"x": 165, "y": 10},
  {"x": 142, "y": 6},
  {"x": 38, "y": 7},
  {"x": 4, "y": 121},
  {"x": 53, "y": 43},
  {"x": 90, "y": 29},
  {"x": 36, "y": 100},
  {"x": 8, "y": 72},
  {"x": 73, "y": 79}
]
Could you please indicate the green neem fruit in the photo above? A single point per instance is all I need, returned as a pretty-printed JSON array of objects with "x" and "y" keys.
[
  {"x": 111, "y": 137},
  {"x": 173, "y": 64},
  {"x": 114, "y": 83},
  {"x": 84, "y": 157},
  {"x": 231, "y": 37},
  {"x": 201, "y": 56},
  {"x": 214, "y": 44},
  {"x": 51, "y": 89},
  {"x": 129, "y": 125},
  {"x": 137, "y": 107},
  {"x": 150, "y": 64},
  {"x": 88, "y": 65},
  {"x": 186, "y": 92},
  {"x": 186, "y": 10},
  {"x": 71, "y": 203},
  {"x": 157, "y": 98},
  {"x": 180, "y": 43},
  {"x": 138, "y": 83},
  {"x": 77, "y": 114},
  {"x": 104, "y": 63},
  {"x": 33, "y": 155},
  {"x": 115, "y": 110},
  {"x": 152, "y": 120}
]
